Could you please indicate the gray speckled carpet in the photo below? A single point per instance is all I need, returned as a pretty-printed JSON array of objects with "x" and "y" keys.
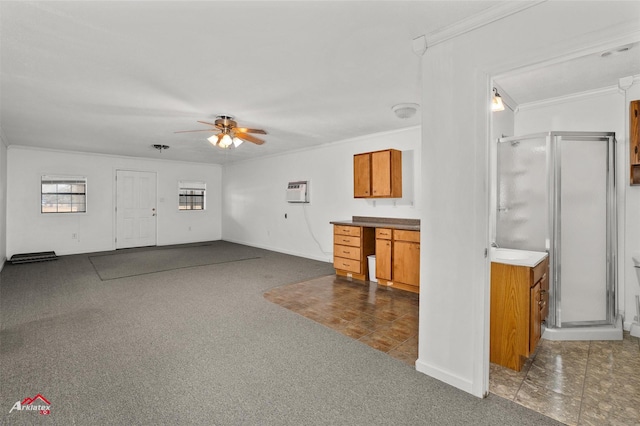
[{"x": 200, "y": 345}]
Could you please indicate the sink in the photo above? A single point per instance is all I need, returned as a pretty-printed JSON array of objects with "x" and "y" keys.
[
  {"x": 517, "y": 257},
  {"x": 508, "y": 254}
]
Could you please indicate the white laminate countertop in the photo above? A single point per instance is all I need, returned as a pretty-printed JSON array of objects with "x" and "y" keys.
[{"x": 517, "y": 257}]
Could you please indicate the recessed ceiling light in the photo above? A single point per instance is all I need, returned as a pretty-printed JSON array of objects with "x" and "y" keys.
[{"x": 615, "y": 51}]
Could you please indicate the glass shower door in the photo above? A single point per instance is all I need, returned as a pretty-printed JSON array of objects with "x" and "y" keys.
[{"x": 583, "y": 252}]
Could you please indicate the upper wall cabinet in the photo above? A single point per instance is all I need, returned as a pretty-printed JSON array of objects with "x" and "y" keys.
[
  {"x": 634, "y": 138},
  {"x": 378, "y": 174}
]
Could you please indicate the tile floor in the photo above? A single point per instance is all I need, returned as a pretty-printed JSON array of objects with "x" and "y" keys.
[{"x": 577, "y": 383}]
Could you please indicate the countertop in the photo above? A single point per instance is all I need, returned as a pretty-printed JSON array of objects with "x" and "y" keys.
[
  {"x": 517, "y": 257},
  {"x": 381, "y": 222}
]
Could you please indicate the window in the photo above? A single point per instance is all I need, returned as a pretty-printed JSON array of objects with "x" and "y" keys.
[
  {"x": 191, "y": 195},
  {"x": 63, "y": 194}
]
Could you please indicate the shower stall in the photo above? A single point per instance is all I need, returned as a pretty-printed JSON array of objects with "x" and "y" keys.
[{"x": 556, "y": 192}]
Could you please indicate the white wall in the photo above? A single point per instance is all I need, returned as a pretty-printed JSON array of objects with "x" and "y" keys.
[
  {"x": 3, "y": 200},
  {"x": 603, "y": 111},
  {"x": 30, "y": 231},
  {"x": 254, "y": 205},
  {"x": 454, "y": 314}
]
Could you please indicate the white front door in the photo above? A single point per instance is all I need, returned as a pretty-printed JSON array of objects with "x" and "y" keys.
[{"x": 135, "y": 209}]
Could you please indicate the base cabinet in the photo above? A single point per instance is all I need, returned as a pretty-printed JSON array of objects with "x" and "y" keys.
[
  {"x": 519, "y": 304},
  {"x": 384, "y": 266},
  {"x": 400, "y": 256},
  {"x": 351, "y": 246}
]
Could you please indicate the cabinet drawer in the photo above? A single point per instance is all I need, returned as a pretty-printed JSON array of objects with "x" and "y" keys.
[
  {"x": 346, "y": 251},
  {"x": 402, "y": 235},
  {"x": 539, "y": 270},
  {"x": 348, "y": 265},
  {"x": 346, "y": 230},
  {"x": 345, "y": 240},
  {"x": 383, "y": 233}
]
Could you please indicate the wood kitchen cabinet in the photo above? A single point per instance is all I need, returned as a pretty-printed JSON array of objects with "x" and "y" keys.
[
  {"x": 384, "y": 267},
  {"x": 362, "y": 175},
  {"x": 398, "y": 258},
  {"x": 634, "y": 142},
  {"x": 378, "y": 174},
  {"x": 351, "y": 246},
  {"x": 519, "y": 304}
]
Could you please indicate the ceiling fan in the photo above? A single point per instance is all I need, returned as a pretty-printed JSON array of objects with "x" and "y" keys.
[{"x": 228, "y": 133}]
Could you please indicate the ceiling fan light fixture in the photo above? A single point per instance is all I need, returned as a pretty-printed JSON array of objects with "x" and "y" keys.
[
  {"x": 405, "y": 111},
  {"x": 225, "y": 141},
  {"x": 228, "y": 134}
]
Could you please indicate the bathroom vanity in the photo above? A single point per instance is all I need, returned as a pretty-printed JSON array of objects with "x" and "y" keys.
[{"x": 519, "y": 304}]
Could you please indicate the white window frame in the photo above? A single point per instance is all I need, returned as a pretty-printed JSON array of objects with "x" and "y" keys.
[
  {"x": 50, "y": 180},
  {"x": 193, "y": 187}
]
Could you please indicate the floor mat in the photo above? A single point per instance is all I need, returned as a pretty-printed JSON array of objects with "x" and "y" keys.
[{"x": 132, "y": 263}]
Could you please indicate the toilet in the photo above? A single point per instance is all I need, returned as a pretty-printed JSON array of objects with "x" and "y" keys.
[{"x": 635, "y": 327}]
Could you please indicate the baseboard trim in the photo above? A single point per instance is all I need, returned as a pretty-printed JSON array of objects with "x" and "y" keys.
[
  {"x": 445, "y": 376},
  {"x": 2, "y": 264},
  {"x": 279, "y": 250}
]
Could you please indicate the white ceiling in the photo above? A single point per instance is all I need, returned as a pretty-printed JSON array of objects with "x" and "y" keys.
[{"x": 118, "y": 77}]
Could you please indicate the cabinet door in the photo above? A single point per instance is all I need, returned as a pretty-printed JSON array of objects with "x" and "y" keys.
[
  {"x": 544, "y": 297},
  {"x": 534, "y": 320},
  {"x": 381, "y": 173},
  {"x": 634, "y": 132},
  {"x": 634, "y": 142},
  {"x": 406, "y": 264},
  {"x": 383, "y": 259},
  {"x": 362, "y": 175}
]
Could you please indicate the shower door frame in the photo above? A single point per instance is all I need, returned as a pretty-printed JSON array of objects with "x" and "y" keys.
[{"x": 553, "y": 176}]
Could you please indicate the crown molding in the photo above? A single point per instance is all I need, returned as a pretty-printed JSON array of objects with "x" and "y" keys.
[
  {"x": 487, "y": 16},
  {"x": 609, "y": 90},
  {"x": 99, "y": 154},
  {"x": 602, "y": 91}
]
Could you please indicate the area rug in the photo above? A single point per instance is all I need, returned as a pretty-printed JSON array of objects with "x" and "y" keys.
[{"x": 129, "y": 263}]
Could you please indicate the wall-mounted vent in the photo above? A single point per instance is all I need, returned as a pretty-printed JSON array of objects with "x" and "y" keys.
[{"x": 297, "y": 192}]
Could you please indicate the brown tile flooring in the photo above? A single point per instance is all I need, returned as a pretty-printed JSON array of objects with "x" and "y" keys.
[{"x": 577, "y": 383}]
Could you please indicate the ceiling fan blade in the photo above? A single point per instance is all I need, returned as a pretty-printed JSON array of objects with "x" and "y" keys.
[
  {"x": 202, "y": 130},
  {"x": 246, "y": 130},
  {"x": 248, "y": 138},
  {"x": 206, "y": 122}
]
